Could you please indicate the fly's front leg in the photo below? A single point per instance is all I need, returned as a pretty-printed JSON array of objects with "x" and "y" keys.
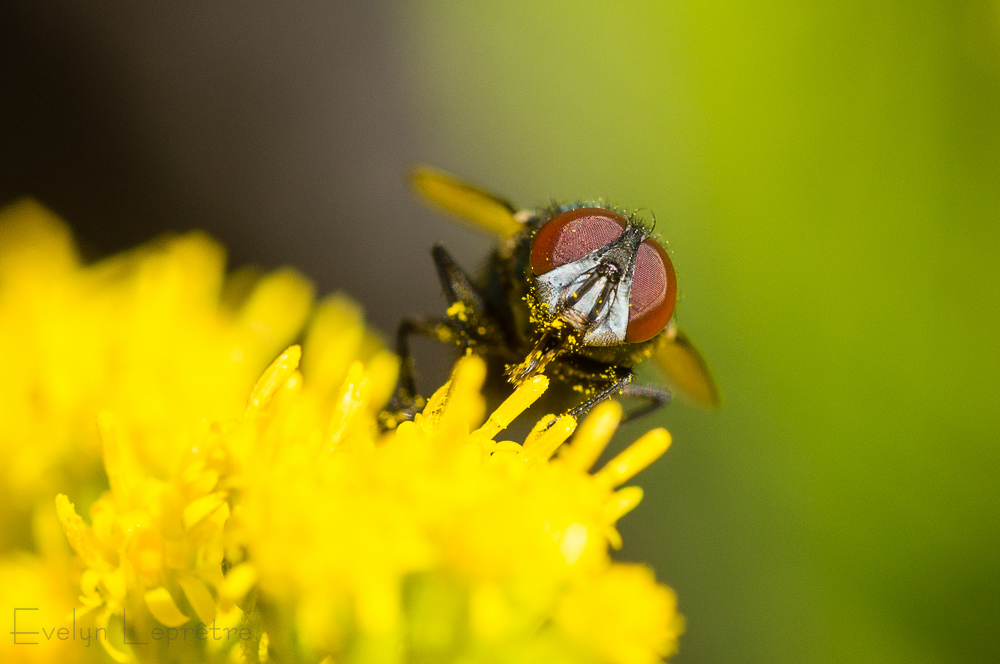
[
  {"x": 467, "y": 308},
  {"x": 457, "y": 285}
]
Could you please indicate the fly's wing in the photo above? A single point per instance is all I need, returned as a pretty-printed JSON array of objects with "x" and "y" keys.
[
  {"x": 684, "y": 366},
  {"x": 483, "y": 210}
]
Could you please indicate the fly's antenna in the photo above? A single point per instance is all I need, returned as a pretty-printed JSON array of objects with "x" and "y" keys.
[{"x": 644, "y": 217}]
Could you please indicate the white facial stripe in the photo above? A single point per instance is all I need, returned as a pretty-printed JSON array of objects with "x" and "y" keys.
[{"x": 612, "y": 315}]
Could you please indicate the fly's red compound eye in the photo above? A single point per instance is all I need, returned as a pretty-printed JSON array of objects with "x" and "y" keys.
[
  {"x": 653, "y": 294},
  {"x": 570, "y": 236}
]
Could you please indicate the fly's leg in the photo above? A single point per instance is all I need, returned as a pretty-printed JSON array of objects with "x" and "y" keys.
[
  {"x": 458, "y": 289},
  {"x": 443, "y": 331},
  {"x": 468, "y": 325},
  {"x": 405, "y": 402},
  {"x": 656, "y": 395},
  {"x": 457, "y": 285},
  {"x": 467, "y": 309},
  {"x": 617, "y": 384}
]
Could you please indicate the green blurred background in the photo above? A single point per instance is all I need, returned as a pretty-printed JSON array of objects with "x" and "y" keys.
[{"x": 827, "y": 175}]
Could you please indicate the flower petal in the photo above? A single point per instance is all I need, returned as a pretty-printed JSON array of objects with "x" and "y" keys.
[
  {"x": 198, "y": 597},
  {"x": 162, "y": 606},
  {"x": 276, "y": 375},
  {"x": 199, "y": 508},
  {"x": 634, "y": 458}
]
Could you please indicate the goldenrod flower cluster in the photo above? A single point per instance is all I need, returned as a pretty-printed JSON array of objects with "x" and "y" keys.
[{"x": 224, "y": 507}]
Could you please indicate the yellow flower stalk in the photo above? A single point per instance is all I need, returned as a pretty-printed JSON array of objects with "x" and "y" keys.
[{"x": 272, "y": 520}]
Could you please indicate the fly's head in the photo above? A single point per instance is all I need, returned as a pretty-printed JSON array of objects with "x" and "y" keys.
[{"x": 596, "y": 278}]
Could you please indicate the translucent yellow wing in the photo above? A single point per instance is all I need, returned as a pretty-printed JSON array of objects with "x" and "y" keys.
[
  {"x": 684, "y": 366},
  {"x": 481, "y": 209}
]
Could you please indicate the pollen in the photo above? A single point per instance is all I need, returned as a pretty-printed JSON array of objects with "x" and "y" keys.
[{"x": 458, "y": 311}]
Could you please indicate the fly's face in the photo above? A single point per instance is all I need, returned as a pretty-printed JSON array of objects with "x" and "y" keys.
[
  {"x": 598, "y": 279},
  {"x": 604, "y": 275}
]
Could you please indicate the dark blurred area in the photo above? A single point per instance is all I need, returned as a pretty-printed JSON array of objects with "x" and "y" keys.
[{"x": 285, "y": 132}]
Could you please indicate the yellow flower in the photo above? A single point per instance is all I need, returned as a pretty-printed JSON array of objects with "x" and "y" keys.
[
  {"x": 247, "y": 521},
  {"x": 155, "y": 548},
  {"x": 156, "y": 335},
  {"x": 436, "y": 540},
  {"x": 151, "y": 541},
  {"x": 36, "y": 600}
]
